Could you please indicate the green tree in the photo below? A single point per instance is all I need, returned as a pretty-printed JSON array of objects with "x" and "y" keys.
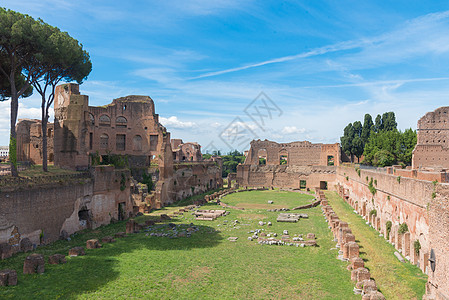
[
  {"x": 368, "y": 126},
  {"x": 63, "y": 60},
  {"x": 378, "y": 126},
  {"x": 357, "y": 147},
  {"x": 22, "y": 44},
  {"x": 389, "y": 121},
  {"x": 346, "y": 140}
]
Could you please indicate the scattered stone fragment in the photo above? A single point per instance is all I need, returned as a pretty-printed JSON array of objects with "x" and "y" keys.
[
  {"x": 34, "y": 264},
  {"x": 107, "y": 239},
  {"x": 93, "y": 244},
  {"x": 269, "y": 224},
  {"x": 270, "y": 202},
  {"x": 77, "y": 251},
  {"x": 232, "y": 239},
  {"x": 165, "y": 217},
  {"x": 26, "y": 245},
  {"x": 6, "y": 251},
  {"x": 261, "y": 223},
  {"x": 8, "y": 277},
  {"x": 311, "y": 236},
  {"x": 285, "y": 232},
  {"x": 57, "y": 259},
  {"x": 399, "y": 256}
]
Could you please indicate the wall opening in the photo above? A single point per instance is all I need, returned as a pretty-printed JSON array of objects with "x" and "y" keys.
[
  {"x": 262, "y": 156},
  {"x": 121, "y": 211},
  {"x": 302, "y": 184},
  {"x": 330, "y": 160},
  {"x": 84, "y": 218},
  {"x": 283, "y": 157},
  {"x": 323, "y": 185},
  {"x": 91, "y": 140},
  {"x": 153, "y": 142}
]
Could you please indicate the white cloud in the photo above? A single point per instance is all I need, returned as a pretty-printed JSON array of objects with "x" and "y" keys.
[
  {"x": 174, "y": 122},
  {"x": 292, "y": 130}
]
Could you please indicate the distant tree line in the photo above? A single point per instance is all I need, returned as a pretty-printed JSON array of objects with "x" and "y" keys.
[
  {"x": 380, "y": 142},
  {"x": 230, "y": 161}
]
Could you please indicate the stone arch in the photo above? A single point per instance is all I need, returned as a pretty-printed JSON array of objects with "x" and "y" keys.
[
  {"x": 105, "y": 120},
  {"x": 137, "y": 143},
  {"x": 104, "y": 141},
  {"x": 121, "y": 122}
]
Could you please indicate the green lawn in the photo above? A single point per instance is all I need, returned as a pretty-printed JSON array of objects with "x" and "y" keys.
[
  {"x": 204, "y": 266},
  {"x": 394, "y": 279}
]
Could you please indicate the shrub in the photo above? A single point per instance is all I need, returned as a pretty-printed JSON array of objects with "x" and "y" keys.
[
  {"x": 375, "y": 182},
  {"x": 123, "y": 182},
  {"x": 358, "y": 171},
  {"x": 403, "y": 228},
  {"x": 371, "y": 187},
  {"x": 417, "y": 246},
  {"x": 434, "y": 194},
  {"x": 367, "y": 178},
  {"x": 388, "y": 228},
  {"x": 399, "y": 179},
  {"x": 373, "y": 212},
  {"x": 435, "y": 182},
  {"x": 347, "y": 178}
]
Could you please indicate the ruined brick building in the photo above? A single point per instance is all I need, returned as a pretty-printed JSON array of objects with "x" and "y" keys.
[{"x": 81, "y": 134}]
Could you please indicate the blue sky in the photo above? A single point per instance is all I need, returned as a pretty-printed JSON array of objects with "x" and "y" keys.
[{"x": 322, "y": 64}]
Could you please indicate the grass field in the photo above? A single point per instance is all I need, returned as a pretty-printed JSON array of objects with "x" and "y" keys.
[
  {"x": 394, "y": 279},
  {"x": 203, "y": 266}
]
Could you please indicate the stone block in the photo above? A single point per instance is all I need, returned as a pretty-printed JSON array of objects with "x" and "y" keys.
[
  {"x": 165, "y": 217},
  {"x": 8, "y": 277},
  {"x": 57, "y": 259},
  {"x": 34, "y": 263},
  {"x": 93, "y": 244},
  {"x": 26, "y": 245},
  {"x": 77, "y": 251},
  {"x": 373, "y": 296},
  {"x": 349, "y": 237},
  {"x": 6, "y": 251},
  {"x": 130, "y": 226},
  {"x": 356, "y": 263},
  {"x": 363, "y": 274},
  {"x": 353, "y": 250},
  {"x": 149, "y": 223},
  {"x": 107, "y": 239},
  {"x": 369, "y": 286},
  {"x": 311, "y": 236}
]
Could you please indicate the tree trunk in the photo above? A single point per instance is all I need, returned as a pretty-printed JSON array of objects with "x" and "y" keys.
[
  {"x": 13, "y": 134},
  {"x": 44, "y": 143}
]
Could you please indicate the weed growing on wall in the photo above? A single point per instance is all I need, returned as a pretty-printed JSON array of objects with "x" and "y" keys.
[
  {"x": 417, "y": 246},
  {"x": 403, "y": 228},
  {"x": 388, "y": 228}
]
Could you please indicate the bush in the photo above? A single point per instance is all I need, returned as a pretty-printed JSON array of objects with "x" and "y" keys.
[
  {"x": 373, "y": 212},
  {"x": 403, "y": 228},
  {"x": 371, "y": 187},
  {"x": 417, "y": 246},
  {"x": 399, "y": 179}
]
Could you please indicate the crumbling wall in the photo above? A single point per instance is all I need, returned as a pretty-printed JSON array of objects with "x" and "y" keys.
[
  {"x": 48, "y": 210},
  {"x": 296, "y": 153},
  {"x": 432, "y": 148},
  {"x": 285, "y": 176},
  {"x": 438, "y": 281},
  {"x": 394, "y": 199}
]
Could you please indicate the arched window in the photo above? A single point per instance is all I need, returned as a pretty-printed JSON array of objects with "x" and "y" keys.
[
  {"x": 104, "y": 141},
  {"x": 137, "y": 143},
  {"x": 121, "y": 122},
  {"x": 92, "y": 119},
  {"x": 105, "y": 120}
]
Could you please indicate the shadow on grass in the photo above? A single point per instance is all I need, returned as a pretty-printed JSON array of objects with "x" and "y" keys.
[{"x": 89, "y": 273}]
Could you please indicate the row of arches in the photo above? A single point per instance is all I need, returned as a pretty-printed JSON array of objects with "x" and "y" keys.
[
  {"x": 263, "y": 157},
  {"x": 105, "y": 120}
]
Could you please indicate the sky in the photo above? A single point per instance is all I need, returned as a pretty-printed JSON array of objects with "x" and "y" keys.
[{"x": 224, "y": 72}]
